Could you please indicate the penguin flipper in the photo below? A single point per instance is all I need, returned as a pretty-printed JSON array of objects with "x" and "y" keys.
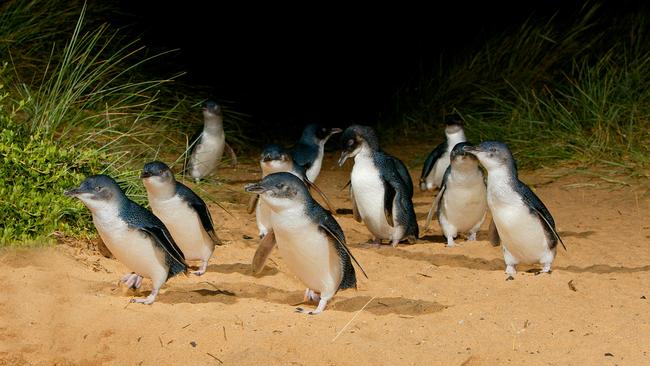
[
  {"x": 435, "y": 207},
  {"x": 263, "y": 251},
  {"x": 430, "y": 162},
  {"x": 493, "y": 234},
  {"x": 332, "y": 228},
  {"x": 164, "y": 240},
  {"x": 201, "y": 209},
  {"x": 233, "y": 156},
  {"x": 536, "y": 205},
  {"x": 403, "y": 173},
  {"x": 389, "y": 199},
  {"x": 252, "y": 203},
  {"x": 355, "y": 209},
  {"x": 320, "y": 193}
]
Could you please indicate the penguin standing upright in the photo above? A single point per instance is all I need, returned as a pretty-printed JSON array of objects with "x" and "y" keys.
[
  {"x": 461, "y": 203},
  {"x": 310, "y": 241},
  {"x": 134, "y": 235},
  {"x": 524, "y": 225},
  {"x": 207, "y": 146},
  {"x": 275, "y": 159},
  {"x": 381, "y": 188},
  {"x": 310, "y": 149},
  {"x": 182, "y": 211},
  {"x": 438, "y": 160}
]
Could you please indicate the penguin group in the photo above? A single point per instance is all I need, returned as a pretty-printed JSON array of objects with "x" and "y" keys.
[{"x": 471, "y": 181}]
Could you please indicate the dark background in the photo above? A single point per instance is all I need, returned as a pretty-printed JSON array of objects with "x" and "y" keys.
[{"x": 328, "y": 63}]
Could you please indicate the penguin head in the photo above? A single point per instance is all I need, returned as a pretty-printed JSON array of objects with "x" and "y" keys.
[
  {"x": 275, "y": 158},
  {"x": 316, "y": 133},
  {"x": 211, "y": 109},
  {"x": 280, "y": 190},
  {"x": 97, "y": 192},
  {"x": 493, "y": 155},
  {"x": 157, "y": 174},
  {"x": 461, "y": 158},
  {"x": 453, "y": 124},
  {"x": 354, "y": 139}
]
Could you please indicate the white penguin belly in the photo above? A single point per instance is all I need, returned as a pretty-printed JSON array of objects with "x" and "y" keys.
[
  {"x": 307, "y": 251},
  {"x": 314, "y": 170},
  {"x": 207, "y": 154},
  {"x": 263, "y": 217},
  {"x": 464, "y": 206},
  {"x": 369, "y": 196},
  {"x": 185, "y": 226},
  {"x": 438, "y": 171},
  {"x": 521, "y": 231},
  {"x": 132, "y": 247}
]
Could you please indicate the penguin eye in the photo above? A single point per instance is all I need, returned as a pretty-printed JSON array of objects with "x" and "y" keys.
[
  {"x": 279, "y": 186},
  {"x": 98, "y": 188},
  {"x": 493, "y": 150},
  {"x": 350, "y": 142}
]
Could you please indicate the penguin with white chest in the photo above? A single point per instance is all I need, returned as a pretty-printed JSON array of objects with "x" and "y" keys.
[
  {"x": 524, "y": 225},
  {"x": 381, "y": 188},
  {"x": 207, "y": 146},
  {"x": 182, "y": 211},
  {"x": 275, "y": 159},
  {"x": 461, "y": 204},
  {"x": 310, "y": 149},
  {"x": 438, "y": 160},
  {"x": 309, "y": 240},
  {"x": 134, "y": 235}
]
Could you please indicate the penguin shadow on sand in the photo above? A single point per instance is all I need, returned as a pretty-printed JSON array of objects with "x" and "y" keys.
[{"x": 242, "y": 268}]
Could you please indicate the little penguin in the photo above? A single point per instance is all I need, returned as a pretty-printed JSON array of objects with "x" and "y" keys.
[
  {"x": 135, "y": 236},
  {"x": 461, "y": 204},
  {"x": 310, "y": 149},
  {"x": 182, "y": 211},
  {"x": 438, "y": 160},
  {"x": 274, "y": 159},
  {"x": 207, "y": 145},
  {"x": 524, "y": 225},
  {"x": 309, "y": 239},
  {"x": 381, "y": 188}
]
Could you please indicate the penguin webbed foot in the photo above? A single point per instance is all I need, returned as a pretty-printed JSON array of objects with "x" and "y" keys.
[
  {"x": 147, "y": 300},
  {"x": 322, "y": 303},
  {"x": 471, "y": 237},
  {"x": 132, "y": 280},
  {"x": 510, "y": 278},
  {"x": 202, "y": 268}
]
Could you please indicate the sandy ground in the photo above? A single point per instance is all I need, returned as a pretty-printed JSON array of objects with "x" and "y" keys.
[{"x": 425, "y": 303}]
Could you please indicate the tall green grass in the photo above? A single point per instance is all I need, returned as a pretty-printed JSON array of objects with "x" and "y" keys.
[
  {"x": 554, "y": 92},
  {"x": 84, "y": 104}
]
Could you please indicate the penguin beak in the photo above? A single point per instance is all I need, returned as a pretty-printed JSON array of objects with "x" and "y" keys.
[
  {"x": 255, "y": 188},
  {"x": 335, "y": 130},
  {"x": 72, "y": 192},
  {"x": 471, "y": 149},
  {"x": 145, "y": 174},
  {"x": 343, "y": 158}
]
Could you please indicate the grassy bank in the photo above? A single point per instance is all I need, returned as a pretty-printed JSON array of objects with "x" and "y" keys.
[
  {"x": 77, "y": 99},
  {"x": 553, "y": 91}
]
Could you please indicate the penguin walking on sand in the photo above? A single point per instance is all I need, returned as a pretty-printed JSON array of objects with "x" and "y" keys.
[
  {"x": 310, "y": 241},
  {"x": 134, "y": 235},
  {"x": 438, "y": 160},
  {"x": 461, "y": 204},
  {"x": 275, "y": 159},
  {"x": 310, "y": 149},
  {"x": 207, "y": 146},
  {"x": 524, "y": 225},
  {"x": 182, "y": 211},
  {"x": 380, "y": 187}
]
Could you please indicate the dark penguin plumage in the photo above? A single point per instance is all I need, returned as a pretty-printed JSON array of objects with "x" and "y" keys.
[
  {"x": 184, "y": 213},
  {"x": 438, "y": 160},
  {"x": 461, "y": 203},
  {"x": 309, "y": 151},
  {"x": 380, "y": 187},
  {"x": 208, "y": 144},
  {"x": 524, "y": 225},
  {"x": 310, "y": 241},
  {"x": 134, "y": 235}
]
